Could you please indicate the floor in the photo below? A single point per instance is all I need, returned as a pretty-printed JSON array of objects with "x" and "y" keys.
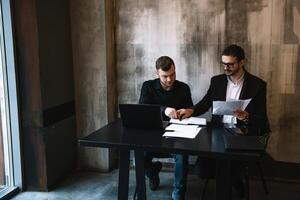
[{"x": 97, "y": 186}]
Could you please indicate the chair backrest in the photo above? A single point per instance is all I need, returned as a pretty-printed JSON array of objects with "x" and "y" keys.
[{"x": 265, "y": 139}]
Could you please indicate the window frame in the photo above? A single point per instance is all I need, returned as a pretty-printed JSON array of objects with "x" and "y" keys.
[{"x": 12, "y": 101}]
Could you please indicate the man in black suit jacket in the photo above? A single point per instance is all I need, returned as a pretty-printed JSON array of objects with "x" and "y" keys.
[
  {"x": 221, "y": 89},
  {"x": 235, "y": 83}
]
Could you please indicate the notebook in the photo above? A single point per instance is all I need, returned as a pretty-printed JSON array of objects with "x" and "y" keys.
[{"x": 141, "y": 116}]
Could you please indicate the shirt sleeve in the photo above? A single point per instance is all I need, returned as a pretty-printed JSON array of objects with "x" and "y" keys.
[{"x": 145, "y": 96}]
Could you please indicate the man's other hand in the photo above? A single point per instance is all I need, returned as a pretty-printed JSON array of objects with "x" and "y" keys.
[
  {"x": 184, "y": 113},
  {"x": 241, "y": 115},
  {"x": 171, "y": 112}
]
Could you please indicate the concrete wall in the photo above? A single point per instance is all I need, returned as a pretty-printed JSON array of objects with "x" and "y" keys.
[
  {"x": 195, "y": 32},
  {"x": 94, "y": 75}
]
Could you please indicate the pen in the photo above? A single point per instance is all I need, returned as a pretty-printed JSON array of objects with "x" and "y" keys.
[{"x": 180, "y": 117}]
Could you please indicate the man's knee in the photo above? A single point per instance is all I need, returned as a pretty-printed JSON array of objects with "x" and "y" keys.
[{"x": 181, "y": 158}]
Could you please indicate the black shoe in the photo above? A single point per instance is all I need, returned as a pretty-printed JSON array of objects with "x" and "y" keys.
[{"x": 154, "y": 180}]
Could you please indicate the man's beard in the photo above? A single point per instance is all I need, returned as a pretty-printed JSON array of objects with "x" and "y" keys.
[
  {"x": 168, "y": 86},
  {"x": 230, "y": 72}
]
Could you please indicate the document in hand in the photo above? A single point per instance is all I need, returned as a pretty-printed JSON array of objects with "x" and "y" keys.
[
  {"x": 227, "y": 107},
  {"x": 180, "y": 130},
  {"x": 191, "y": 120}
]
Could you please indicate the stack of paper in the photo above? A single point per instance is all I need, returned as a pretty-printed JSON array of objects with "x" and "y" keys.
[
  {"x": 191, "y": 120},
  {"x": 180, "y": 130}
]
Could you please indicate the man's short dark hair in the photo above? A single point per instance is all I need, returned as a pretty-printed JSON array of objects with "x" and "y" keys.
[
  {"x": 164, "y": 63},
  {"x": 234, "y": 51}
]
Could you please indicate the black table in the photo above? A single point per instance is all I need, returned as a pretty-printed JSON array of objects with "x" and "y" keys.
[{"x": 209, "y": 143}]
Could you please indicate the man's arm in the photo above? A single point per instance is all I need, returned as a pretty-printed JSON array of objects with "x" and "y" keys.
[
  {"x": 145, "y": 96},
  {"x": 188, "y": 102},
  {"x": 200, "y": 108},
  {"x": 186, "y": 110},
  {"x": 258, "y": 113},
  {"x": 203, "y": 105}
]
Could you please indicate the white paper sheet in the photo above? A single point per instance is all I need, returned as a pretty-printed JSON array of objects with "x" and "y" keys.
[
  {"x": 181, "y": 127},
  {"x": 197, "y": 121},
  {"x": 191, "y": 134},
  {"x": 191, "y": 120},
  {"x": 227, "y": 107},
  {"x": 177, "y": 121}
]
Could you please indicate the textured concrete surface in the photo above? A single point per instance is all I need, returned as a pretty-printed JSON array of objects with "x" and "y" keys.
[
  {"x": 88, "y": 34},
  {"x": 96, "y": 186},
  {"x": 194, "y": 34}
]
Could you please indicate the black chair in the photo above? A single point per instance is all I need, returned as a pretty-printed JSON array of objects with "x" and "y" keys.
[
  {"x": 207, "y": 171},
  {"x": 263, "y": 139}
]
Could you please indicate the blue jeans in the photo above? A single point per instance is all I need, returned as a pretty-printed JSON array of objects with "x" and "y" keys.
[{"x": 180, "y": 173}]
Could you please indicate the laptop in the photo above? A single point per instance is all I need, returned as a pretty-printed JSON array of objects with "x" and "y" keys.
[{"x": 141, "y": 116}]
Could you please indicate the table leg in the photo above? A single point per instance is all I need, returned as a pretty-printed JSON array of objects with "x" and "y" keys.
[
  {"x": 223, "y": 179},
  {"x": 123, "y": 174},
  {"x": 140, "y": 174}
]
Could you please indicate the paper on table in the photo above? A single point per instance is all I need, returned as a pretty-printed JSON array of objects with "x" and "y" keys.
[
  {"x": 227, "y": 107},
  {"x": 181, "y": 127},
  {"x": 177, "y": 121},
  {"x": 183, "y": 134},
  {"x": 197, "y": 120},
  {"x": 191, "y": 120}
]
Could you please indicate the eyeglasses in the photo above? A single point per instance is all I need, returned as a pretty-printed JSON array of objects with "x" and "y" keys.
[{"x": 229, "y": 65}]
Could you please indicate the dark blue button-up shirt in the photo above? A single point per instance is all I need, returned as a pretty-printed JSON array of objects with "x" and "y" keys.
[{"x": 178, "y": 97}]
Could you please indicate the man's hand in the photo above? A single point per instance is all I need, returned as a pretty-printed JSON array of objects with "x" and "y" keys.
[
  {"x": 241, "y": 115},
  {"x": 184, "y": 113},
  {"x": 171, "y": 112}
]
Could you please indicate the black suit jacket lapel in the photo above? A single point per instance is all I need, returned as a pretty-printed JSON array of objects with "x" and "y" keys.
[
  {"x": 223, "y": 89},
  {"x": 245, "y": 87}
]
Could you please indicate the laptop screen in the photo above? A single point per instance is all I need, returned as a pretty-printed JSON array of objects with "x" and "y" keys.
[{"x": 141, "y": 116}]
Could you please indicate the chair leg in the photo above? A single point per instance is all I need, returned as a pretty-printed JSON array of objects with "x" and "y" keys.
[
  {"x": 262, "y": 178},
  {"x": 135, "y": 194},
  {"x": 204, "y": 189},
  {"x": 247, "y": 184}
]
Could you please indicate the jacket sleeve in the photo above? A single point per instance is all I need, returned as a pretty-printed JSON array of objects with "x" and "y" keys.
[
  {"x": 258, "y": 113},
  {"x": 188, "y": 102},
  {"x": 204, "y": 104}
]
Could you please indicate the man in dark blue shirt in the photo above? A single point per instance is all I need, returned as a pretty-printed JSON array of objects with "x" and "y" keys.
[{"x": 171, "y": 95}]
